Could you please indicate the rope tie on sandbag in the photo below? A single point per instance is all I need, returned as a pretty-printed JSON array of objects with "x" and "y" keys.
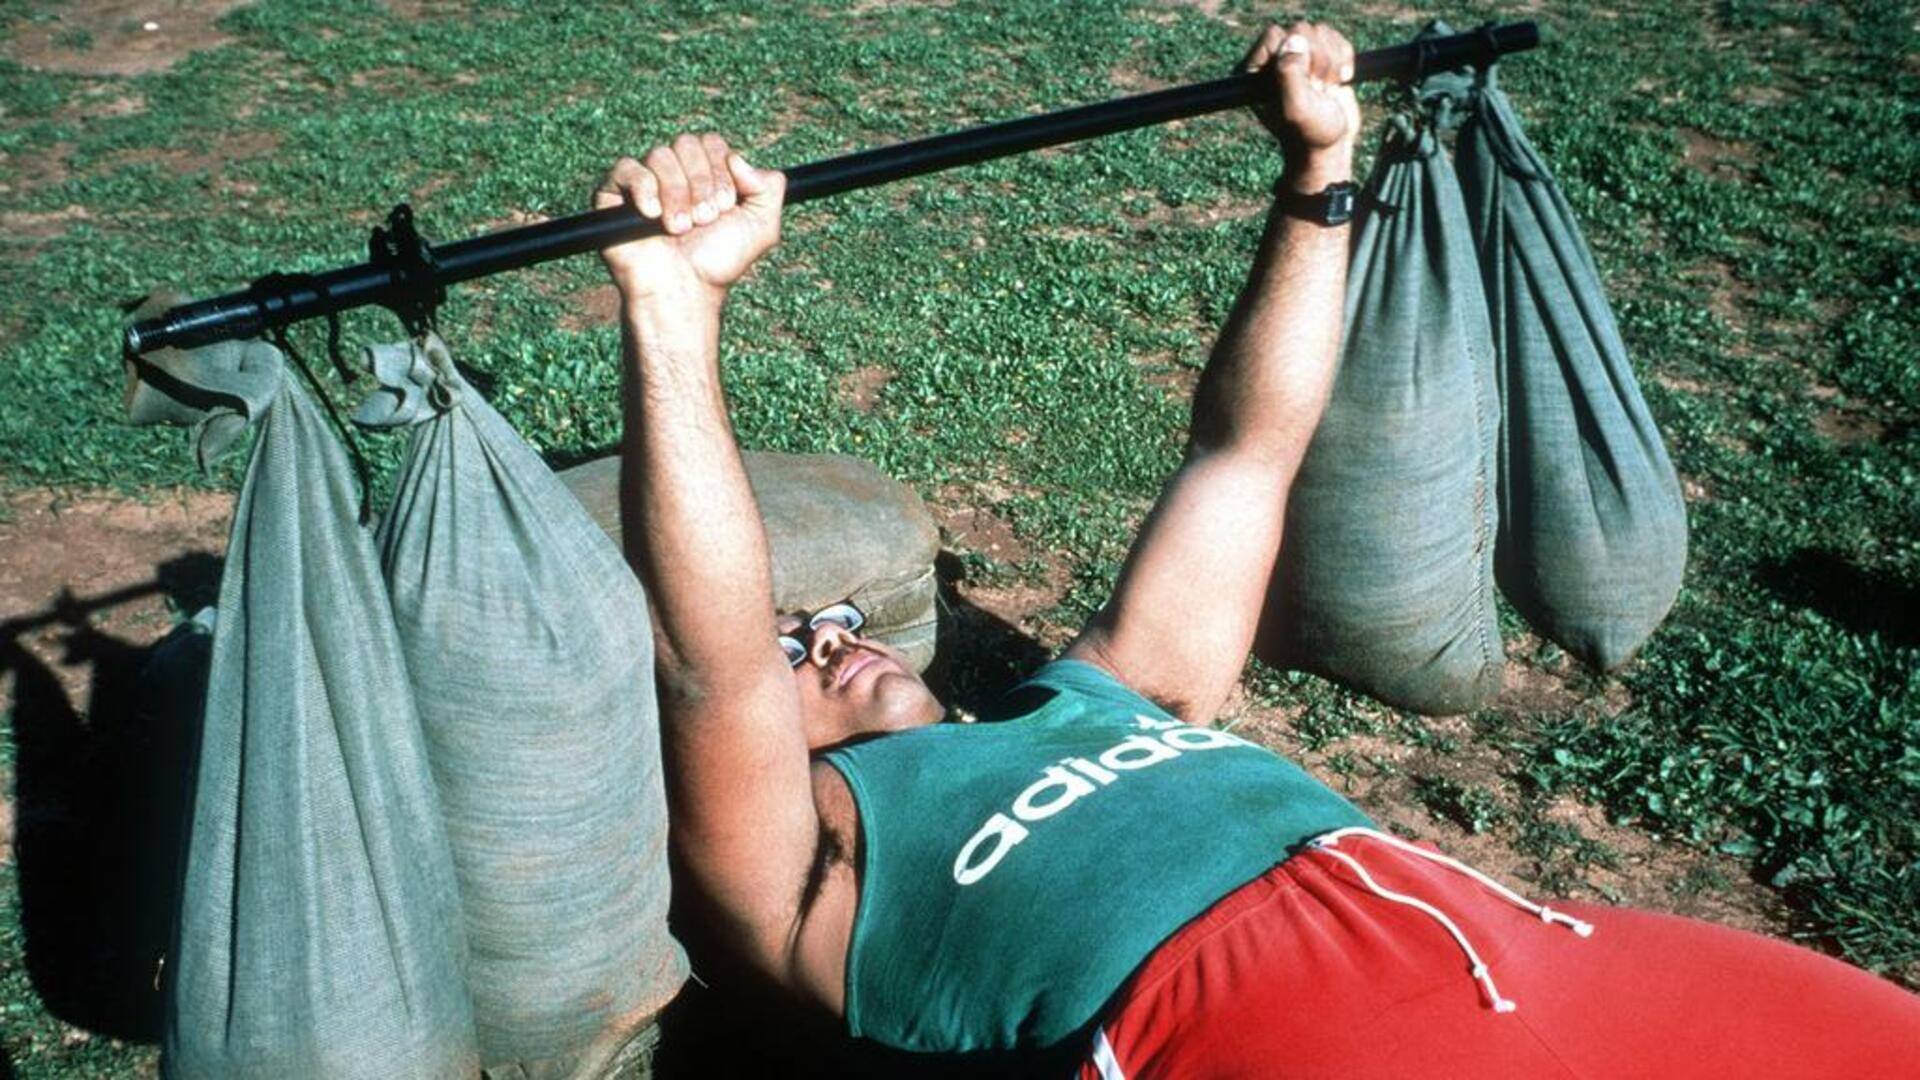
[
  {"x": 220, "y": 390},
  {"x": 361, "y": 472},
  {"x": 278, "y": 283},
  {"x": 1481, "y": 972},
  {"x": 445, "y": 390},
  {"x": 1492, "y": 111},
  {"x": 417, "y": 381},
  {"x": 1443, "y": 97}
]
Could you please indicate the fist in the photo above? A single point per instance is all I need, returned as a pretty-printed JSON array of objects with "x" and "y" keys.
[
  {"x": 1307, "y": 102},
  {"x": 717, "y": 214}
]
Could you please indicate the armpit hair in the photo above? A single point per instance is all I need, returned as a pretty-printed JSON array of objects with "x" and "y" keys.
[{"x": 829, "y": 849}]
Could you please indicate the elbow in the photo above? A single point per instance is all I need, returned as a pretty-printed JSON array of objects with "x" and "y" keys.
[{"x": 1268, "y": 460}]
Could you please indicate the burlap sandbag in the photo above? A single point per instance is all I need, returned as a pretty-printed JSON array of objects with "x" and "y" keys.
[
  {"x": 837, "y": 528},
  {"x": 531, "y": 655},
  {"x": 319, "y": 927},
  {"x": 1593, "y": 527},
  {"x": 1385, "y": 578}
]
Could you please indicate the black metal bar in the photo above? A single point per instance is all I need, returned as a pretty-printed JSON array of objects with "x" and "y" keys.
[{"x": 249, "y": 313}]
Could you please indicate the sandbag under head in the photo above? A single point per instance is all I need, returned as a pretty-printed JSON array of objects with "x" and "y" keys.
[
  {"x": 837, "y": 529},
  {"x": 319, "y": 927},
  {"x": 1593, "y": 526},
  {"x": 1385, "y": 581},
  {"x": 531, "y": 653}
]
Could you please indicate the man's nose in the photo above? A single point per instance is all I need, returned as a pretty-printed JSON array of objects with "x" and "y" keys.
[{"x": 829, "y": 639}]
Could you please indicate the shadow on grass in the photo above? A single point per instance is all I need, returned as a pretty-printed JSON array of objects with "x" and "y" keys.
[
  {"x": 1860, "y": 600},
  {"x": 981, "y": 655},
  {"x": 100, "y": 802}
]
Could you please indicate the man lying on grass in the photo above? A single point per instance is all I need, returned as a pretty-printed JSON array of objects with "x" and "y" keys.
[{"x": 1095, "y": 870}]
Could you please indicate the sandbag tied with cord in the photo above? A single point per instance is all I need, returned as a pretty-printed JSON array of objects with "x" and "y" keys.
[
  {"x": 530, "y": 650},
  {"x": 1385, "y": 576},
  {"x": 318, "y": 933},
  {"x": 1593, "y": 526}
]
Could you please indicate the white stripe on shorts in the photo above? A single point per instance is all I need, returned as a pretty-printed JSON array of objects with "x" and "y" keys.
[{"x": 1103, "y": 1058}]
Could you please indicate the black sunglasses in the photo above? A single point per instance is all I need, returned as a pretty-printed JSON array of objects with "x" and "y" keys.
[{"x": 843, "y": 615}]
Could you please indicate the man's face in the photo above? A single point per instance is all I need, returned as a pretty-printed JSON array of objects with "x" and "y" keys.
[{"x": 852, "y": 686}]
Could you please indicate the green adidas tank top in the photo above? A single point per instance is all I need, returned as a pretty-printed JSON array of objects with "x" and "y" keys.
[{"x": 1016, "y": 872}]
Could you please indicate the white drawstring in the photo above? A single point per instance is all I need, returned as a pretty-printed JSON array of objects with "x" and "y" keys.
[
  {"x": 1481, "y": 974},
  {"x": 1480, "y": 971},
  {"x": 1547, "y": 914}
]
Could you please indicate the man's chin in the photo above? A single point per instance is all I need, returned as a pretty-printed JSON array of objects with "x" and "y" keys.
[
  {"x": 896, "y": 701},
  {"x": 900, "y": 702}
]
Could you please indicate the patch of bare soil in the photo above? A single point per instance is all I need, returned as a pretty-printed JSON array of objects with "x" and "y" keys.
[
  {"x": 85, "y": 588},
  {"x": 35, "y": 168},
  {"x": 430, "y": 187},
  {"x": 411, "y": 10},
  {"x": 976, "y": 529},
  {"x": 1131, "y": 81},
  {"x": 513, "y": 220},
  {"x": 1198, "y": 216},
  {"x": 1761, "y": 97},
  {"x": 209, "y": 157},
  {"x": 1525, "y": 688},
  {"x": 598, "y": 306},
  {"x": 1657, "y": 876},
  {"x": 1727, "y": 296},
  {"x": 867, "y": 7},
  {"x": 387, "y": 80},
  {"x": 26, "y": 227},
  {"x": 1716, "y": 156},
  {"x": 1021, "y": 604},
  {"x": 118, "y": 37},
  {"x": 968, "y": 525},
  {"x": 1847, "y": 427},
  {"x": 1397, "y": 13},
  {"x": 1681, "y": 383},
  {"x": 104, "y": 563},
  {"x": 860, "y": 388},
  {"x": 1164, "y": 370},
  {"x": 1589, "y": 858},
  {"x": 24, "y": 233},
  {"x": 103, "y": 100}
]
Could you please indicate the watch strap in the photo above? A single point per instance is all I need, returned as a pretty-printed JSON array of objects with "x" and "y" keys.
[{"x": 1332, "y": 205}]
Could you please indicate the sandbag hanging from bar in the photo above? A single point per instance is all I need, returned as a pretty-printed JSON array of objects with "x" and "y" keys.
[
  {"x": 1385, "y": 577},
  {"x": 531, "y": 653},
  {"x": 1593, "y": 527},
  {"x": 319, "y": 927},
  {"x": 886, "y": 566}
]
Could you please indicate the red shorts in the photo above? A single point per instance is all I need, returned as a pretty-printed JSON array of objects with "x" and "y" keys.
[{"x": 1358, "y": 960}]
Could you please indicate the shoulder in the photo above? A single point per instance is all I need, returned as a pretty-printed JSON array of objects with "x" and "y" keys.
[{"x": 1080, "y": 674}]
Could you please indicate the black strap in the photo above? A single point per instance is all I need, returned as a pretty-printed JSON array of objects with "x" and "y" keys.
[
  {"x": 1332, "y": 206},
  {"x": 365, "y": 475}
]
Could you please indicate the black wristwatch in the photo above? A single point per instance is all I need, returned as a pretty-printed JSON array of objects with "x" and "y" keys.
[{"x": 1333, "y": 205}]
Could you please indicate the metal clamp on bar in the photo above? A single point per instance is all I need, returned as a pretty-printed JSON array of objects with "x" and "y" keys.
[{"x": 417, "y": 290}]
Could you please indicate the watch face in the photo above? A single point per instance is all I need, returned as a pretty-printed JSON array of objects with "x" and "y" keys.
[{"x": 1339, "y": 203}]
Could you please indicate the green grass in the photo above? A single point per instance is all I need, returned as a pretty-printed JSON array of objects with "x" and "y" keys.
[{"x": 1770, "y": 301}]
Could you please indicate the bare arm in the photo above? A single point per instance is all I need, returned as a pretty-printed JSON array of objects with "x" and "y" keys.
[
  {"x": 1188, "y": 601},
  {"x": 744, "y": 824}
]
